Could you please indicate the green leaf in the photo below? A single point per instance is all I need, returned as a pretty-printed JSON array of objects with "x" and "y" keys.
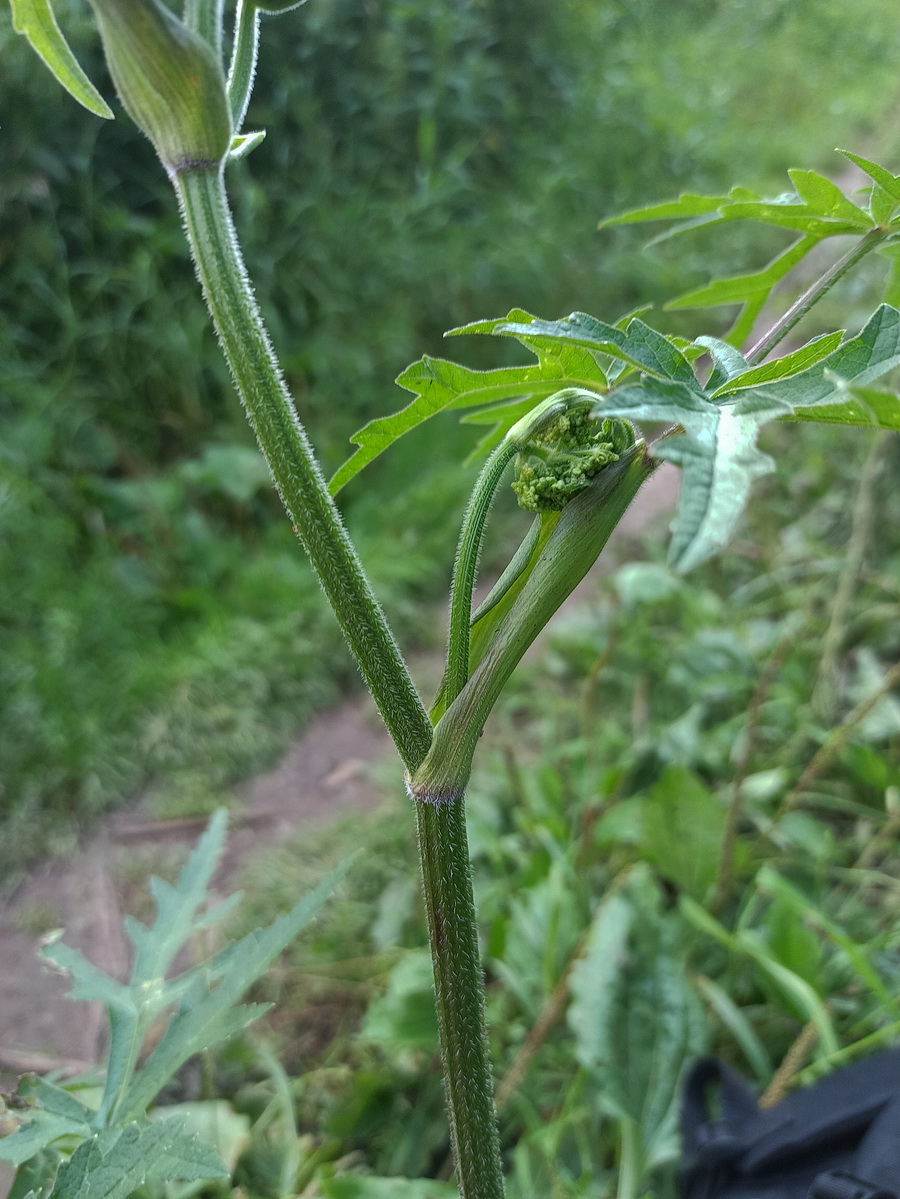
[
  {"x": 716, "y": 447},
  {"x": 155, "y": 950},
  {"x": 799, "y": 993},
  {"x": 860, "y": 360},
  {"x": 798, "y": 217},
  {"x": 21, "y": 1145},
  {"x": 683, "y": 825},
  {"x": 645, "y": 1024},
  {"x": 862, "y": 407},
  {"x": 595, "y": 976},
  {"x": 176, "y": 907},
  {"x": 442, "y": 386},
  {"x": 727, "y": 361},
  {"x": 782, "y": 368},
  {"x": 716, "y": 453},
  {"x": 88, "y": 981},
  {"x": 118, "y": 1161},
  {"x": 54, "y": 1099},
  {"x": 569, "y": 354},
  {"x": 35, "y": 1177},
  {"x": 35, "y": 19},
  {"x": 808, "y": 912},
  {"x": 208, "y": 1014},
  {"x": 405, "y": 1015},
  {"x": 639, "y": 345},
  {"x": 825, "y": 198},
  {"x": 686, "y": 206},
  {"x": 738, "y": 1025},
  {"x": 885, "y": 180},
  {"x": 751, "y": 291}
]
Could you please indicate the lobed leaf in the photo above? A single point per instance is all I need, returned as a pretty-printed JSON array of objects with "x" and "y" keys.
[
  {"x": 715, "y": 442},
  {"x": 639, "y": 345},
  {"x": 782, "y": 368},
  {"x": 21, "y": 1145},
  {"x": 717, "y": 455},
  {"x": 36, "y": 21},
  {"x": 572, "y": 352},
  {"x": 817, "y": 209},
  {"x": 88, "y": 981},
  {"x": 209, "y": 1014},
  {"x": 860, "y": 360},
  {"x": 826, "y": 199},
  {"x": 441, "y": 386},
  {"x": 116, "y": 1162},
  {"x": 636, "y": 1019},
  {"x": 176, "y": 907},
  {"x": 862, "y": 407},
  {"x": 878, "y": 174},
  {"x": 690, "y": 209},
  {"x": 595, "y": 976},
  {"x": 751, "y": 291}
]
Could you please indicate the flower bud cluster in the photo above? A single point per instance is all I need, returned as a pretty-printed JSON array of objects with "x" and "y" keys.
[{"x": 561, "y": 457}]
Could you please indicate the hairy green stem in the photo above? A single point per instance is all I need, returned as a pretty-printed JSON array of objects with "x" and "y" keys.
[
  {"x": 459, "y": 996},
  {"x": 443, "y": 849},
  {"x": 244, "y": 51},
  {"x": 468, "y": 553},
  {"x": 813, "y": 294},
  {"x": 292, "y": 462}
]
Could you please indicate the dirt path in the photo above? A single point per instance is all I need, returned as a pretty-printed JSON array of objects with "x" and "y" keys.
[{"x": 325, "y": 772}]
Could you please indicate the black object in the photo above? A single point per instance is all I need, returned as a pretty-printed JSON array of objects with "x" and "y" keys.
[{"x": 838, "y": 1139}]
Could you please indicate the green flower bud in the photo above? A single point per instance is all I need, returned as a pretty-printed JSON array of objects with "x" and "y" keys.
[
  {"x": 168, "y": 80},
  {"x": 562, "y": 447}
]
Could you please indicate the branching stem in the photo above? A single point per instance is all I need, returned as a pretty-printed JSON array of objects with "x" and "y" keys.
[
  {"x": 468, "y": 553},
  {"x": 813, "y": 294},
  {"x": 443, "y": 847}
]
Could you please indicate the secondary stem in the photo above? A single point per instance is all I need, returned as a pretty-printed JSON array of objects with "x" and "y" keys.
[
  {"x": 443, "y": 849},
  {"x": 812, "y": 295},
  {"x": 468, "y": 553}
]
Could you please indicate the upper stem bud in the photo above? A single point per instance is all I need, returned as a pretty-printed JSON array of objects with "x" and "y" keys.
[{"x": 168, "y": 80}]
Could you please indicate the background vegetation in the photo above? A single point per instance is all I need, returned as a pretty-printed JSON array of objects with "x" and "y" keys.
[{"x": 428, "y": 165}]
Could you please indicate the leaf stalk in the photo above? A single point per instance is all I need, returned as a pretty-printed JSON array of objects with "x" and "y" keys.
[{"x": 814, "y": 294}]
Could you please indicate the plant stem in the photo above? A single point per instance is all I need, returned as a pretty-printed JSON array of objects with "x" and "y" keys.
[
  {"x": 813, "y": 294},
  {"x": 837, "y": 739},
  {"x": 283, "y": 441},
  {"x": 468, "y": 552},
  {"x": 244, "y": 51},
  {"x": 571, "y": 550},
  {"x": 459, "y": 995},
  {"x": 443, "y": 848},
  {"x": 629, "y": 1159}
]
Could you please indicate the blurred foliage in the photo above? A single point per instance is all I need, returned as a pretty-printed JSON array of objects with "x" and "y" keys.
[
  {"x": 613, "y": 952},
  {"x": 424, "y": 165}
]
